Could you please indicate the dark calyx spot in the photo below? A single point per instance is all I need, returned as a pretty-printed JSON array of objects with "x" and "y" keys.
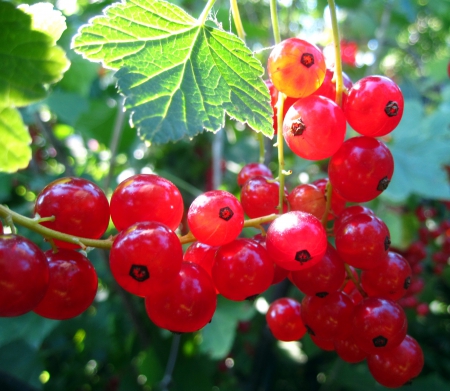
[
  {"x": 383, "y": 184},
  {"x": 139, "y": 272},
  {"x": 379, "y": 341},
  {"x": 302, "y": 256},
  {"x": 310, "y": 330},
  {"x": 391, "y": 108},
  {"x": 407, "y": 282},
  {"x": 298, "y": 127},
  {"x": 307, "y": 60},
  {"x": 387, "y": 243},
  {"x": 226, "y": 213},
  {"x": 321, "y": 294}
]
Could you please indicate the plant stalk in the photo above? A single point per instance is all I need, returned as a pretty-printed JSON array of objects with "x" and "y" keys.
[{"x": 337, "y": 53}]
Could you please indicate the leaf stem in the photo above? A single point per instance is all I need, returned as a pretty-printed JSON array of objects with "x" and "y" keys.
[
  {"x": 337, "y": 53},
  {"x": 204, "y": 15},
  {"x": 33, "y": 225}
]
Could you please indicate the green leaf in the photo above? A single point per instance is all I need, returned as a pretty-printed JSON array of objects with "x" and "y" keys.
[
  {"x": 15, "y": 153},
  {"x": 179, "y": 76},
  {"x": 29, "y": 59},
  {"x": 218, "y": 336}
]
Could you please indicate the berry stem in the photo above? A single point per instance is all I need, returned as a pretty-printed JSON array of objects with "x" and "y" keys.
[
  {"x": 328, "y": 195},
  {"x": 275, "y": 25},
  {"x": 337, "y": 53},
  {"x": 33, "y": 224},
  {"x": 237, "y": 19},
  {"x": 355, "y": 281}
]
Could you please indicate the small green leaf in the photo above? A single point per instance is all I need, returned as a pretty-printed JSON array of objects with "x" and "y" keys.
[
  {"x": 15, "y": 152},
  {"x": 29, "y": 59},
  {"x": 179, "y": 76}
]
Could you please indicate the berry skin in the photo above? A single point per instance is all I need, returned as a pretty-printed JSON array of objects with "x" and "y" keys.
[
  {"x": 251, "y": 170},
  {"x": 307, "y": 198},
  {"x": 146, "y": 197},
  {"x": 184, "y": 305},
  {"x": 296, "y": 240},
  {"x": 397, "y": 366},
  {"x": 361, "y": 169},
  {"x": 72, "y": 286},
  {"x": 284, "y": 319},
  {"x": 24, "y": 275},
  {"x": 328, "y": 87},
  {"x": 374, "y": 106},
  {"x": 216, "y": 217},
  {"x": 143, "y": 255},
  {"x": 314, "y": 127},
  {"x": 242, "y": 269},
  {"x": 80, "y": 208},
  {"x": 296, "y": 67}
]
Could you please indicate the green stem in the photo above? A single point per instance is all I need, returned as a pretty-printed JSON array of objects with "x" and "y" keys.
[
  {"x": 33, "y": 225},
  {"x": 237, "y": 19},
  {"x": 275, "y": 25},
  {"x": 202, "y": 18},
  {"x": 280, "y": 146},
  {"x": 328, "y": 195},
  {"x": 337, "y": 53},
  {"x": 355, "y": 281}
]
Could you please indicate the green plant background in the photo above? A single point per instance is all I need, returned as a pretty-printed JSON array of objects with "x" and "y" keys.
[{"x": 71, "y": 122}]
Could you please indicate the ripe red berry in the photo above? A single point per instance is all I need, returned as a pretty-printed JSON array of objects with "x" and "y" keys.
[
  {"x": 328, "y": 87},
  {"x": 72, "y": 286},
  {"x": 361, "y": 169},
  {"x": 307, "y": 198},
  {"x": 143, "y": 255},
  {"x": 24, "y": 275},
  {"x": 80, "y": 208},
  {"x": 284, "y": 319},
  {"x": 314, "y": 127},
  {"x": 184, "y": 305},
  {"x": 296, "y": 240},
  {"x": 251, "y": 170},
  {"x": 216, "y": 217},
  {"x": 374, "y": 106},
  {"x": 296, "y": 67},
  {"x": 146, "y": 197}
]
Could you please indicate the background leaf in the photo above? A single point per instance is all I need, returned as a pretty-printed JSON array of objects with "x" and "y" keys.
[{"x": 176, "y": 93}]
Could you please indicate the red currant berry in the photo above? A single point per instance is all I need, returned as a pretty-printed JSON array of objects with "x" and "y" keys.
[
  {"x": 337, "y": 201},
  {"x": 361, "y": 169},
  {"x": 24, "y": 275},
  {"x": 288, "y": 102},
  {"x": 328, "y": 87},
  {"x": 242, "y": 269},
  {"x": 296, "y": 67},
  {"x": 307, "y": 198},
  {"x": 296, "y": 240},
  {"x": 146, "y": 197},
  {"x": 216, "y": 217},
  {"x": 251, "y": 170},
  {"x": 80, "y": 208},
  {"x": 348, "y": 350},
  {"x": 374, "y": 106},
  {"x": 396, "y": 367},
  {"x": 69, "y": 271},
  {"x": 184, "y": 305},
  {"x": 284, "y": 319},
  {"x": 143, "y": 255}
]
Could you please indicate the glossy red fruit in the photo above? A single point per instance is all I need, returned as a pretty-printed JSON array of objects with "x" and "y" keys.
[
  {"x": 324, "y": 277},
  {"x": 307, "y": 198},
  {"x": 337, "y": 201},
  {"x": 296, "y": 67},
  {"x": 80, "y": 208},
  {"x": 378, "y": 325},
  {"x": 328, "y": 87},
  {"x": 186, "y": 304},
  {"x": 24, "y": 275},
  {"x": 201, "y": 254},
  {"x": 216, "y": 217},
  {"x": 260, "y": 197},
  {"x": 242, "y": 269},
  {"x": 390, "y": 279},
  {"x": 288, "y": 102},
  {"x": 72, "y": 286},
  {"x": 361, "y": 169},
  {"x": 146, "y": 197},
  {"x": 143, "y": 255},
  {"x": 363, "y": 241},
  {"x": 397, "y": 366},
  {"x": 374, "y": 106},
  {"x": 251, "y": 170},
  {"x": 348, "y": 350},
  {"x": 296, "y": 240},
  {"x": 284, "y": 319},
  {"x": 349, "y": 212},
  {"x": 314, "y": 127},
  {"x": 322, "y": 343},
  {"x": 328, "y": 317}
]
